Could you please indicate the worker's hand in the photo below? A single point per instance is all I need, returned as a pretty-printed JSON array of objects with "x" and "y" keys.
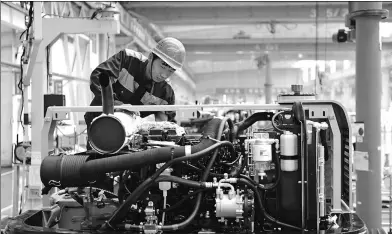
[
  {"x": 118, "y": 103},
  {"x": 160, "y": 116}
]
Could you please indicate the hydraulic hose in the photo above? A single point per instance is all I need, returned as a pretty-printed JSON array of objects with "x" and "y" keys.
[
  {"x": 261, "y": 207},
  {"x": 188, "y": 196},
  {"x": 299, "y": 115},
  {"x": 219, "y": 136},
  {"x": 273, "y": 121},
  {"x": 179, "y": 180},
  {"x": 270, "y": 187},
  {"x": 246, "y": 123},
  {"x": 203, "y": 179},
  {"x": 131, "y": 199}
]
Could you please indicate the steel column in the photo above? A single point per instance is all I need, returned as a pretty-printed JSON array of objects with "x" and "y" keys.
[
  {"x": 268, "y": 81},
  {"x": 7, "y": 81},
  {"x": 368, "y": 108}
]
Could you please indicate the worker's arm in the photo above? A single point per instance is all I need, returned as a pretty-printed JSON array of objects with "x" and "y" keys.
[
  {"x": 160, "y": 116},
  {"x": 110, "y": 67},
  {"x": 167, "y": 115}
]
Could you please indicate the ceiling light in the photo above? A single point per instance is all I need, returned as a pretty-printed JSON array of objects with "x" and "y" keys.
[{"x": 300, "y": 55}]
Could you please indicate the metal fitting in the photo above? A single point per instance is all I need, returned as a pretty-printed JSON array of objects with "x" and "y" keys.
[{"x": 383, "y": 13}]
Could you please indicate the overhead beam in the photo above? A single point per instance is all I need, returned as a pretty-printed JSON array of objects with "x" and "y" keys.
[
  {"x": 213, "y": 13},
  {"x": 282, "y": 77},
  {"x": 244, "y": 72},
  {"x": 275, "y": 56},
  {"x": 255, "y": 45},
  {"x": 13, "y": 16},
  {"x": 236, "y": 66},
  {"x": 175, "y": 4}
]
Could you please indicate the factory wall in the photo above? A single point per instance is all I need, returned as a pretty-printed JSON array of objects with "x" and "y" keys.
[
  {"x": 7, "y": 118},
  {"x": 244, "y": 86},
  {"x": 10, "y": 96}
]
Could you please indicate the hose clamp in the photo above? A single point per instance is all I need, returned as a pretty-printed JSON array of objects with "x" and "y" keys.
[
  {"x": 54, "y": 183},
  {"x": 383, "y": 13}
]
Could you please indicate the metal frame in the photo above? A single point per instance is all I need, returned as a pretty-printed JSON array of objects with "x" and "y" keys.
[
  {"x": 336, "y": 163},
  {"x": 45, "y": 32}
]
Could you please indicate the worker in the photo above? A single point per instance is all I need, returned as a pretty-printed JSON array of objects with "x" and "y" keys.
[{"x": 138, "y": 80}]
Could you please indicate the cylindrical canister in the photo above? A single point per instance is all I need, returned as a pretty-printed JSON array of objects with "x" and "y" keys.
[
  {"x": 108, "y": 134},
  {"x": 262, "y": 155},
  {"x": 262, "y": 150},
  {"x": 288, "y": 151}
]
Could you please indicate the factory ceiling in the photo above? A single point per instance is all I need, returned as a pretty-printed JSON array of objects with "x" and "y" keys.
[{"x": 222, "y": 36}]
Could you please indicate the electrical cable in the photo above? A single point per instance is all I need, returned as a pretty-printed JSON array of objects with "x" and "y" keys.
[
  {"x": 186, "y": 197},
  {"x": 261, "y": 207},
  {"x": 48, "y": 80},
  {"x": 20, "y": 83},
  {"x": 149, "y": 181}
]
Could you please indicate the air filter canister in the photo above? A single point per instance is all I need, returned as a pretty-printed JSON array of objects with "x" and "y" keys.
[{"x": 108, "y": 134}]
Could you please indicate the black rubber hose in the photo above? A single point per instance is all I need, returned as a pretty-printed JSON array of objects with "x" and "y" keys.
[
  {"x": 107, "y": 94},
  {"x": 209, "y": 128},
  {"x": 179, "y": 180},
  {"x": 188, "y": 196},
  {"x": 246, "y": 123},
  {"x": 63, "y": 171},
  {"x": 273, "y": 121},
  {"x": 199, "y": 169},
  {"x": 131, "y": 199},
  {"x": 203, "y": 179},
  {"x": 299, "y": 115},
  {"x": 278, "y": 175},
  {"x": 261, "y": 207}
]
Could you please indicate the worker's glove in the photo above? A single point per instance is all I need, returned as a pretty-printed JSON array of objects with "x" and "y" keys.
[{"x": 118, "y": 103}]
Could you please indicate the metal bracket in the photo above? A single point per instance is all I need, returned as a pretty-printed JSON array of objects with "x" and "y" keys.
[
  {"x": 61, "y": 115},
  {"x": 318, "y": 113}
]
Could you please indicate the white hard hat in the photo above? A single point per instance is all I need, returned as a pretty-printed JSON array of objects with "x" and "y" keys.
[{"x": 172, "y": 51}]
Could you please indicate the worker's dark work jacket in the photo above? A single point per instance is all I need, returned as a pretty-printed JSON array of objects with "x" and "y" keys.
[{"x": 127, "y": 71}]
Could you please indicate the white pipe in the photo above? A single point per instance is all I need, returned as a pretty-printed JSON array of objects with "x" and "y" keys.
[{"x": 321, "y": 180}]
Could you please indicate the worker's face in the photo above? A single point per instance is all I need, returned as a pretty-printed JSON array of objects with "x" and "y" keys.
[{"x": 160, "y": 70}]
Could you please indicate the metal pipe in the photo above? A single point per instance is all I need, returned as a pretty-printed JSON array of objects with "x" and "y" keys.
[
  {"x": 67, "y": 77},
  {"x": 368, "y": 108},
  {"x": 302, "y": 158},
  {"x": 268, "y": 81},
  {"x": 107, "y": 94},
  {"x": 321, "y": 162},
  {"x": 10, "y": 64},
  {"x": 171, "y": 107},
  {"x": 16, "y": 7}
]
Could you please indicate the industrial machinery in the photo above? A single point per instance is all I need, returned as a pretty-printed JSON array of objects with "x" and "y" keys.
[{"x": 144, "y": 177}]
